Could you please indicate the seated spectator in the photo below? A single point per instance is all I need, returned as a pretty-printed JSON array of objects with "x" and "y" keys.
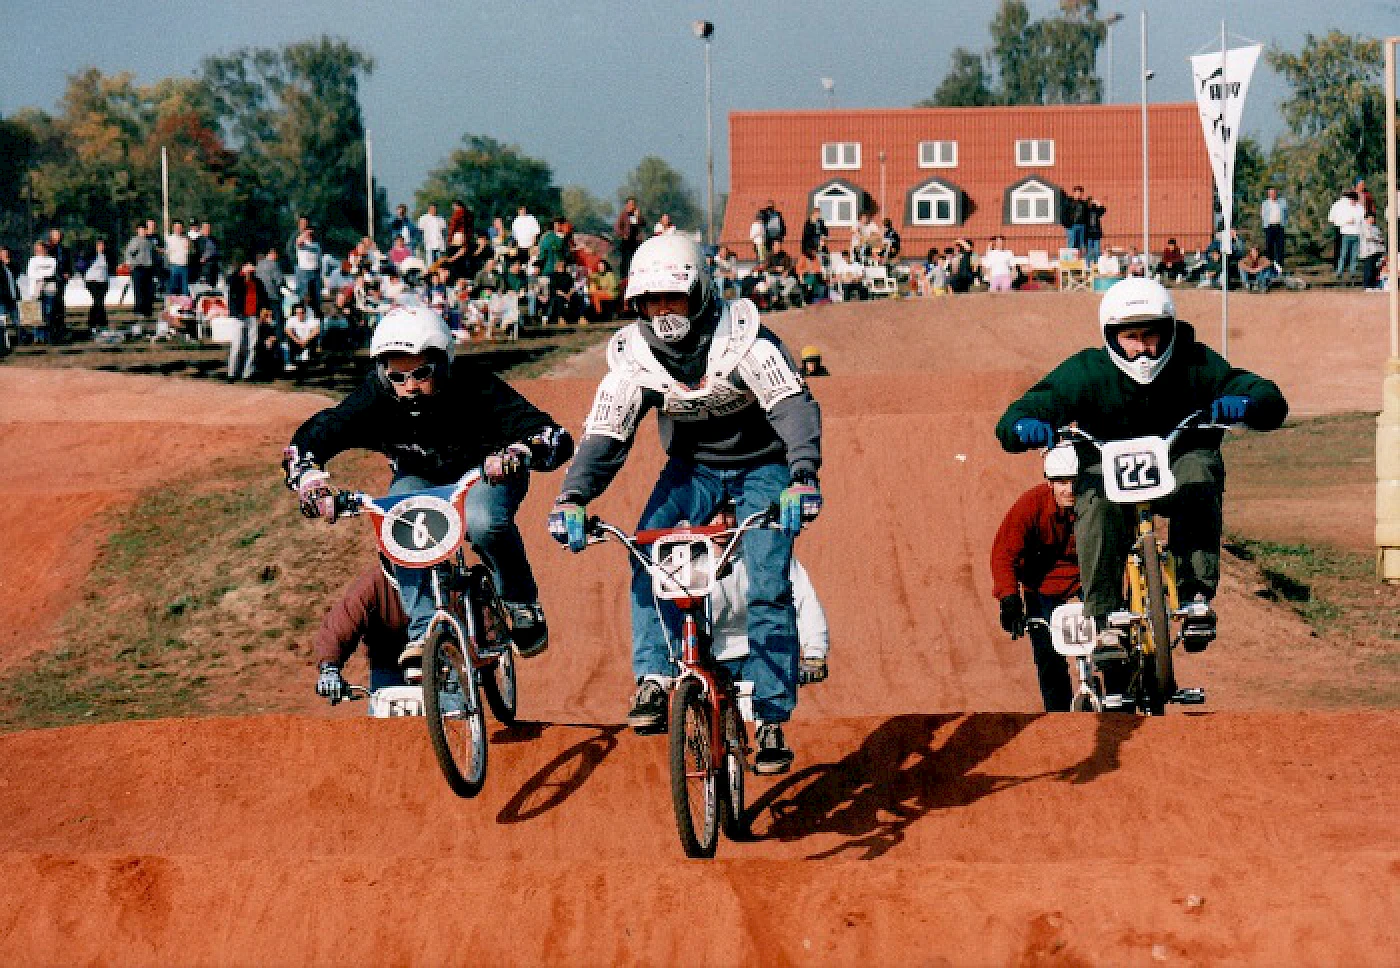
[
  {"x": 1108, "y": 266},
  {"x": 998, "y": 266},
  {"x": 393, "y": 286},
  {"x": 812, "y": 275},
  {"x": 489, "y": 279},
  {"x": 1257, "y": 271},
  {"x": 303, "y": 332},
  {"x": 340, "y": 330},
  {"x": 1173, "y": 264},
  {"x": 1135, "y": 263},
  {"x": 604, "y": 291},
  {"x": 458, "y": 258},
  {"x": 439, "y": 289},
  {"x": 269, "y": 358},
  {"x": 399, "y": 250},
  {"x": 726, "y": 272}
]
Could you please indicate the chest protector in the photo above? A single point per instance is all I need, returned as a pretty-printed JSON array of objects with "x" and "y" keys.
[{"x": 741, "y": 371}]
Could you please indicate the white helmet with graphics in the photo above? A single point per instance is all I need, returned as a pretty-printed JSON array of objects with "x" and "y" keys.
[
  {"x": 411, "y": 330},
  {"x": 1061, "y": 463},
  {"x": 1136, "y": 303},
  {"x": 670, "y": 264}
]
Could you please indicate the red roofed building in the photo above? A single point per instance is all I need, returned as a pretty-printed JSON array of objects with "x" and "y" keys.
[{"x": 976, "y": 172}]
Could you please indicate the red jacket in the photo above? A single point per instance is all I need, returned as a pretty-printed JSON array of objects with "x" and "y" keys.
[
  {"x": 1034, "y": 547},
  {"x": 370, "y": 611}
]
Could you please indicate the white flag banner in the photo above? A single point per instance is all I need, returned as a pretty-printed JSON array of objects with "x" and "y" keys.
[{"x": 1221, "y": 84}]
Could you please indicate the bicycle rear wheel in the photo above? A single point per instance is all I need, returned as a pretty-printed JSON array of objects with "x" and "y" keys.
[
  {"x": 1159, "y": 678},
  {"x": 498, "y": 682},
  {"x": 734, "y": 817},
  {"x": 695, "y": 770},
  {"x": 456, "y": 718}
]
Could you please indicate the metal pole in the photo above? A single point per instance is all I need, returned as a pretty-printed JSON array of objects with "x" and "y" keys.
[
  {"x": 1146, "y": 211},
  {"x": 709, "y": 155},
  {"x": 164, "y": 193},
  {"x": 883, "y": 213},
  {"x": 1388, "y": 423},
  {"x": 1108, "y": 79},
  {"x": 369, "y": 184},
  {"x": 1229, "y": 186}
]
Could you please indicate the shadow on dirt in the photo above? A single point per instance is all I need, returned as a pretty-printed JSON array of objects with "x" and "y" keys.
[
  {"x": 561, "y": 777},
  {"x": 900, "y": 774}
]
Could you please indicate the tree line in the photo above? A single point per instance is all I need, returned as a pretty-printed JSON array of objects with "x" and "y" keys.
[
  {"x": 1334, "y": 115},
  {"x": 254, "y": 139}
]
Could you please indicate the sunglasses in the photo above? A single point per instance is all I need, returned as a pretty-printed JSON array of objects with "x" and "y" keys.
[{"x": 418, "y": 374}]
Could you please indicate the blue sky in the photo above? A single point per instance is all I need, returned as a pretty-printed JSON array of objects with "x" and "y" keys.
[{"x": 592, "y": 86}]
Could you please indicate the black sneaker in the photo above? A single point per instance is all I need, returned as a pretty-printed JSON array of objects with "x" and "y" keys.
[
  {"x": 1198, "y": 623},
  {"x": 811, "y": 670},
  {"x": 648, "y": 712},
  {"x": 773, "y": 755},
  {"x": 528, "y": 629}
]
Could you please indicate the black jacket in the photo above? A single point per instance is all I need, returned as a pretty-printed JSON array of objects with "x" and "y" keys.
[
  {"x": 238, "y": 290},
  {"x": 476, "y": 414}
]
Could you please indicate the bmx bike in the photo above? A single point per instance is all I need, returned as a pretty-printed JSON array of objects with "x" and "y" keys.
[
  {"x": 467, "y": 650},
  {"x": 709, "y": 741},
  {"x": 1137, "y": 472}
]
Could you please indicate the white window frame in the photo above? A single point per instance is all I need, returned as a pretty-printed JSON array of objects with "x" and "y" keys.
[
  {"x": 938, "y": 148},
  {"x": 835, "y": 196},
  {"x": 1035, "y": 152},
  {"x": 934, "y": 193},
  {"x": 1033, "y": 192},
  {"x": 840, "y": 155}
]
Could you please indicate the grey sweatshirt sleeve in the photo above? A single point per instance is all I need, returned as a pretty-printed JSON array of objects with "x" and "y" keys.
[{"x": 618, "y": 408}]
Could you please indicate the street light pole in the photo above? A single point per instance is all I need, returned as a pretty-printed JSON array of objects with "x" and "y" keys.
[
  {"x": 1146, "y": 207},
  {"x": 705, "y": 30},
  {"x": 1109, "y": 22},
  {"x": 1388, "y": 423},
  {"x": 829, "y": 85}
]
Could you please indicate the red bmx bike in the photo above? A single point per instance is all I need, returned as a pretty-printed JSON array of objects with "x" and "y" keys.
[{"x": 709, "y": 741}]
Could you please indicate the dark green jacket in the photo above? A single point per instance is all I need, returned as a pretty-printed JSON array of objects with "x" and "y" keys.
[{"x": 1088, "y": 389}]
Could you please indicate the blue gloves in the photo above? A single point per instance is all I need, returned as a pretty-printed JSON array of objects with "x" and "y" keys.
[
  {"x": 330, "y": 685},
  {"x": 800, "y": 502},
  {"x": 1229, "y": 409},
  {"x": 568, "y": 525},
  {"x": 1033, "y": 432}
]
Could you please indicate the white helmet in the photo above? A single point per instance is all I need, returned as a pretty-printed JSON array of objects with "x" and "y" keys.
[
  {"x": 670, "y": 264},
  {"x": 411, "y": 330},
  {"x": 1061, "y": 463},
  {"x": 1138, "y": 302}
]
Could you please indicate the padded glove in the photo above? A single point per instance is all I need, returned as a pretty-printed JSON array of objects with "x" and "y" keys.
[
  {"x": 1229, "y": 409},
  {"x": 1033, "y": 432},
  {"x": 1013, "y": 616},
  {"x": 800, "y": 502},
  {"x": 330, "y": 685},
  {"x": 568, "y": 525},
  {"x": 512, "y": 460},
  {"x": 315, "y": 495}
]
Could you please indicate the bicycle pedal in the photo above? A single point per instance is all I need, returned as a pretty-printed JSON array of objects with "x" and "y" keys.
[
  {"x": 1115, "y": 703},
  {"x": 1193, "y": 696}
]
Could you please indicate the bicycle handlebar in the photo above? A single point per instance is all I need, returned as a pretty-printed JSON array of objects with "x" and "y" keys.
[
  {"x": 1071, "y": 432},
  {"x": 349, "y": 504},
  {"x": 599, "y": 531}
]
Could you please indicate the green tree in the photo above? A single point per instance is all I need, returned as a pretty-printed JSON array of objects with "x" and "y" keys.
[
  {"x": 293, "y": 114},
  {"x": 1336, "y": 126},
  {"x": 1016, "y": 51},
  {"x": 586, "y": 211},
  {"x": 660, "y": 189},
  {"x": 965, "y": 84},
  {"x": 491, "y": 179}
]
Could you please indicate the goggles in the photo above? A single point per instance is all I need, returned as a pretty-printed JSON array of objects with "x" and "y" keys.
[{"x": 418, "y": 374}]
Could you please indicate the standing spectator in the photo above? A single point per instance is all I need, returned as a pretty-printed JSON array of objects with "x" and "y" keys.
[
  {"x": 1093, "y": 228},
  {"x": 628, "y": 233},
  {"x": 526, "y": 229},
  {"x": 889, "y": 243},
  {"x": 303, "y": 223},
  {"x": 401, "y": 227},
  {"x": 63, "y": 271},
  {"x": 1173, "y": 264},
  {"x": 1372, "y": 247},
  {"x": 1348, "y": 215},
  {"x": 552, "y": 251},
  {"x": 1074, "y": 216},
  {"x": 998, "y": 265},
  {"x": 433, "y": 228},
  {"x": 963, "y": 274},
  {"x": 1273, "y": 216},
  {"x": 43, "y": 285},
  {"x": 308, "y": 268},
  {"x": 774, "y": 228},
  {"x": 814, "y": 233},
  {"x": 140, "y": 257},
  {"x": 157, "y": 255},
  {"x": 248, "y": 299},
  {"x": 462, "y": 220},
  {"x": 9, "y": 302},
  {"x": 1364, "y": 196},
  {"x": 177, "y": 258},
  {"x": 758, "y": 235},
  {"x": 208, "y": 255},
  {"x": 664, "y": 225},
  {"x": 96, "y": 277},
  {"x": 269, "y": 273}
]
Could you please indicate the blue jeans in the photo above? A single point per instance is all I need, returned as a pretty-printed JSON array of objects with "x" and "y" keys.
[
  {"x": 492, "y": 532},
  {"x": 1346, "y": 256},
  {"x": 1051, "y": 668},
  {"x": 692, "y": 492},
  {"x": 1074, "y": 236},
  {"x": 1092, "y": 249},
  {"x": 179, "y": 282}
]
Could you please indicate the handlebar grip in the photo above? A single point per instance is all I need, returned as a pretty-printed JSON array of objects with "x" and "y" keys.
[{"x": 347, "y": 503}]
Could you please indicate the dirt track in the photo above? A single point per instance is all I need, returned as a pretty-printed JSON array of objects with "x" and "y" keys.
[{"x": 911, "y": 832}]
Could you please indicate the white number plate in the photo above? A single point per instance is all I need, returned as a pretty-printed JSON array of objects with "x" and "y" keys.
[
  {"x": 683, "y": 566},
  {"x": 1071, "y": 631},
  {"x": 1137, "y": 470}
]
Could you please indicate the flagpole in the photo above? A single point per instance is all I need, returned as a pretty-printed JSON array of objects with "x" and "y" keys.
[
  {"x": 369, "y": 183},
  {"x": 164, "y": 194},
  {"x": 1228, "y": 211}
]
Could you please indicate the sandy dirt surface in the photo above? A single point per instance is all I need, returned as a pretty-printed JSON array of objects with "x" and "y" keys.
[{"x": 929, "y": 820}]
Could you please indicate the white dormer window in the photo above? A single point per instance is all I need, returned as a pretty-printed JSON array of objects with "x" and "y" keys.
[
  {"x": 934, "y": 204},
  {"x": 1032, "y": 204},
  {"x": 938, "y": 154},
  {"x": 841, "y": 155},
  {"x": 839, "y": 205},
  {"x": 1035, "y": 152}
]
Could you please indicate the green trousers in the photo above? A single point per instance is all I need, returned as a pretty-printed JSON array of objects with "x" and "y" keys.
[{"x": 1104, "y": 532}]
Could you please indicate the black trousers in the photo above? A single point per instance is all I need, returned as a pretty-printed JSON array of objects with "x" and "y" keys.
[
  {"x": 97, "y": 315},
  {"x": 1051, "y": 668},
  {"x": 1273, "y": 245}
]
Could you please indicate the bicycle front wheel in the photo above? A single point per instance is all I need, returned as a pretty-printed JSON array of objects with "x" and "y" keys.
[
  {"x": 1159, "y": 677},
  {"x": 734, "y": 818},
  {"x": 456, "y": 719},
  {"x": 695, "y": 766}
]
